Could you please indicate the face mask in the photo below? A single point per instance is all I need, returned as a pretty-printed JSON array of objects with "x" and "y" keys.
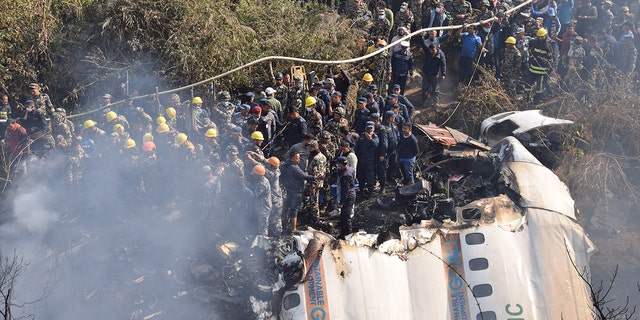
[
  {"x": 381, "y": 16},
  {"x": 402, "y": 10},
  {"x": 308, "y": 109},
  {"x": 501, "y": 10},
  {"x": 486, "y": 30},
  {"x": 438, "y": 10},
  {"x": 592, "y": 54},
  {"x": 571, "y": 42}
]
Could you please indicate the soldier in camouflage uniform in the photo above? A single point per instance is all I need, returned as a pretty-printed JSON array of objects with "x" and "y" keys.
[
  {"x": 317, "y": 167},
  {"x": 382, "y": 71},
  {"x": 296, "y": 94},
  {"x": 484, "y": 13},
  {"x": 223, "y": 110},
  {"x": 510, "y": 66},
  {"x": 338, "y": 120},
  {"x": 380, "y": 28},
  {"x": 404, "y": 17},
  {"x": 282, "y": 94},
  {"x": 61, "y": 131},
  {"x": 461, "y": 11},
  {"x": 313, "y": 117},
  {"x": 359, "y": 14},
  {"x": 42, "y": 100}
]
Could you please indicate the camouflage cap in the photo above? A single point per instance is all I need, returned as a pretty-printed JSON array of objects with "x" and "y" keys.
[
  {"x": 224, "y": 95},
  {"x": 34, "y": 86}
]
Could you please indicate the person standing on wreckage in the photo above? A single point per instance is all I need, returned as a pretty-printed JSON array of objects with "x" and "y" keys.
[
  {"x": 347, "y": 180},
  {"x": 292, "y": 180}
]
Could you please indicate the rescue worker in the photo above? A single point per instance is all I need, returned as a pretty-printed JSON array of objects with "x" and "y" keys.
[
  {"x": 317, "y": 167},
  {"x": 366, "y": 154},
  {"x": 211, "y": 146},
  {"x": 461, "y": 11},
  {"x": 402, "y": 65},
  {"x": 510, "y": 66},
  {"x": 314, "y": 118},
  {"x": 404, "y": 17},
  {"x": 223, "y": 110},
  {"x": 272, "y": 174},
  {"x": 5, "y": 113},
  {"x": 434, "y": 70},
  {"x": 380, "y": 28},
  {"x": 41, "y": 100},
  {"x": 390, "y": 156},
  {"x": 361, "y": 115},
  {"x": 296, "y": 129},
  {"x": 292, "y": 179},
  {"x": 403, "y": 100},
  {"x": 346, "y": 180},
  {"x": 338, "y": 120},
  {"x": 381, "y": 151},
  {"x": 261, "y": 193},
  {"x": 540, "y": 64},
  {"x": 367, "y": 80}
]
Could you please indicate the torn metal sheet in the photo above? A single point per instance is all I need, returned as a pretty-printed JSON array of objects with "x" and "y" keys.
[{"x": 514, "y": 123}]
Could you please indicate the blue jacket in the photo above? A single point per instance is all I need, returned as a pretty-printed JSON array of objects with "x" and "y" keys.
[
  {"x": 565, "y": 11},
  {"x": 402, "y": 62},
  {"x": 292, "y": 178}
]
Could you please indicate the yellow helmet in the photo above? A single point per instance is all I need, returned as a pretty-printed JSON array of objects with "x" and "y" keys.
[
  {"x": 130, "y": 143},
  {"x": 367, "y": 77},
  {"x": 211, "y": 133},
  {"x": 147, "y": 137},
  {"x": 111, "y": 115},
  {"x": 541, "y": 32},
  {"x": 510, "y": 40},
  {"x": 257, "y": 135},
  {"x": 88, "y": 124},
  {"x": 181, "y": 138},
  {"x": 119, "y": 128},
  {"x": 161, "y": 119},
  {"x": 258, "y": 169},
  {"x": 162, "y": 128},
  {"x": 274, "y": 161},
  {"x": 171, "y": 113},
  {"x": 197, "y": 100},
  {"x": 310, "y": 101}
]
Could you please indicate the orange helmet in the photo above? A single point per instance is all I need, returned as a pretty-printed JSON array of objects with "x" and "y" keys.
[
  {"x": 274, "y": 161},
  {"x": 258, "y": 169},
  {"x": 148, "y": 146}
]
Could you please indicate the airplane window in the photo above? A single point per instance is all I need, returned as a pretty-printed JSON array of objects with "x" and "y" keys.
[
  {"x": 474, "y": 238},
  {"x": 291, "y": 301},
  {"x": 486, "y": 315},
  {"x": 478, "y": 264},
  {"x": 482, "y": 290}
]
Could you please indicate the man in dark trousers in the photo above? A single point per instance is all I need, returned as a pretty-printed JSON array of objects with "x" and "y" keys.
[
  {"x": 347, "y": 181},
  {"x": 434, "y": 69}
]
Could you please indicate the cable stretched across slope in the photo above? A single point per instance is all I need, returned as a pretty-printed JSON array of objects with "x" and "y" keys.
[{"x": 299, "y": 60}]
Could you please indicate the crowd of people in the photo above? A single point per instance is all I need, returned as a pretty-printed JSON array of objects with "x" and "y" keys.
[
  {"x": 521, "y": 48},
  {"x": 299, "y": 145},
  {"x": 283, "y": 157}
]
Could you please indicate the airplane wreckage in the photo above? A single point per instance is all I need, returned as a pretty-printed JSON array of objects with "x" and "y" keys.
[{"x": 487, "y": 232}]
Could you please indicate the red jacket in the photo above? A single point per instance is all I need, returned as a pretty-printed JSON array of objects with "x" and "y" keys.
[{"x": 16, "y": 138}]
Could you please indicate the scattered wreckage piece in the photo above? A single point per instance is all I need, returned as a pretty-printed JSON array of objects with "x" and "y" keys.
[
  {"x": 542, "y": 135},
  {"x": 516, "y": 253}
]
